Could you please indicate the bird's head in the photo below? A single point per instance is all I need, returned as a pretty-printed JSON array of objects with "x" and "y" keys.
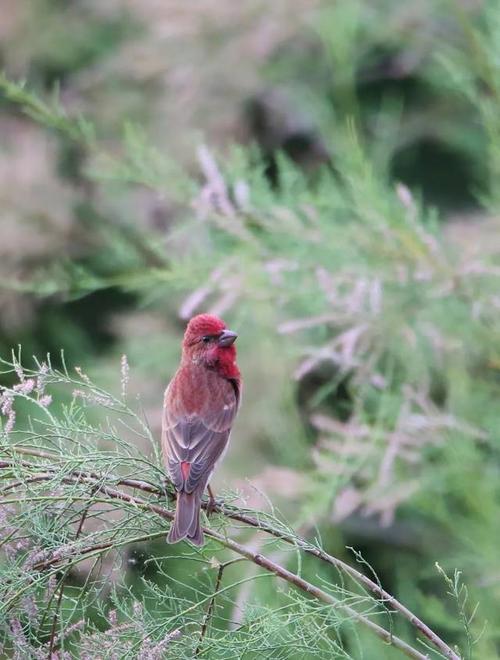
[{"x": 208, "y": 342}]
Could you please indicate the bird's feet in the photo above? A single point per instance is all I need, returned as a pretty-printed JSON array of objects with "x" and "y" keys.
[
  {"x": 212, "y": 502},
  {"x": 163, "y": 489},
  {"x": 211, "y": 506}
]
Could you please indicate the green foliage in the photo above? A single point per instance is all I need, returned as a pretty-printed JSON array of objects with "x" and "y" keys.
[
  {"x": 49, "y": 113},
  {"x": 370, "y": 339},
  {"x": 69, "y": 498}
]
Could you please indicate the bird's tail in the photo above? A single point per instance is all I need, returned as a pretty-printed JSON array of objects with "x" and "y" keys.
[{"x": 187, "y": 519}]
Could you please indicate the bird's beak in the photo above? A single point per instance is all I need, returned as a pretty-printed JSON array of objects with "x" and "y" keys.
[{"x": 227, "y": 338}]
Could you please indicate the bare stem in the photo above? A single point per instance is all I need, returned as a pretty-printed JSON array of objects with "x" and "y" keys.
[
  {"x": 53, "y": 636},
  {"x": 208, "y": 615}
]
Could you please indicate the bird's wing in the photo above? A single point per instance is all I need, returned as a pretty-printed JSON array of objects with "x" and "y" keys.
[{"x": 193, "y": 443}]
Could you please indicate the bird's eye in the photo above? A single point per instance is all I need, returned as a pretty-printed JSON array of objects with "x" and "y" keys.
[{"x": 206, "y": 339}]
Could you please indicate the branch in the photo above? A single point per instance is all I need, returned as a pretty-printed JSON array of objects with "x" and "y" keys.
[
  {"x": 257, "y": 558},
  {"x": 236, "y": 514},
  {"x": 345, "y": 568},
  {"x": 208, "y": 614}
]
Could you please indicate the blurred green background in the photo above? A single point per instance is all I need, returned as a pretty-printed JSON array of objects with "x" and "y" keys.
[{"x": 326, "y": 177}]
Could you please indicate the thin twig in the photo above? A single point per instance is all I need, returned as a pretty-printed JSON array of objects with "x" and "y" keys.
[
  {"x": 52, "y": 641},
  {"x": 208, "y": 614}
]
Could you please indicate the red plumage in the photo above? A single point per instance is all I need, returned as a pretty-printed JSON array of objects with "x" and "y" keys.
[{"x": 199, "y": 409}]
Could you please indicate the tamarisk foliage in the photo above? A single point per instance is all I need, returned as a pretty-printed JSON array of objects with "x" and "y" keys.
[
  {"x": 78, "y": 496},
  {"x": 375, "y": 316}
]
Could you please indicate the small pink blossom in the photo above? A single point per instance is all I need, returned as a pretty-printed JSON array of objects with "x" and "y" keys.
[
  {"x": 62, "y": 552},
  {"x": 45, "y": 400},
  {"x": 25, "y": 387},
  {"x": 112, "y": 618},
  {"x": 19, "y": 371},
  {"x": 51, "y": 587},
  {"x": 18, "y": 636},
  {"x": 35, "y": 557},
  {"x": 92, "y": 398},
  {"x": 83, "y": 376},
  {"x": 6, "y": 403},
  {"x": 125, "y": 375},
  {"x": 30, "y": 607},
  {"x": 11, "y": 422},
  {"x": 151, "y": 650},
  {"x": 41, "y": 379}
]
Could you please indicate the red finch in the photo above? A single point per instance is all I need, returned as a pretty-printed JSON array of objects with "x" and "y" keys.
[{"x": 200, "y": 405}]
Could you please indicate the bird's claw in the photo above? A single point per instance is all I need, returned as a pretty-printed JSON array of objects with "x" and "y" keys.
[
  {"x": 211, "y": 506},
  {"x": 163, "y": 488}
]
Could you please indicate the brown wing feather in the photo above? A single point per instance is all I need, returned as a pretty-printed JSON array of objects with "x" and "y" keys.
[{"x": 197, "y": 438}]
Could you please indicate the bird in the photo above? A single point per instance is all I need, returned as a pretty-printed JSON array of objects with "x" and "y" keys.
[{"x": 200, "y": 405}]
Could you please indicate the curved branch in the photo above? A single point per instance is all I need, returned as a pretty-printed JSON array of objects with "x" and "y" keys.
[{"x": 349, "y": 570}]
